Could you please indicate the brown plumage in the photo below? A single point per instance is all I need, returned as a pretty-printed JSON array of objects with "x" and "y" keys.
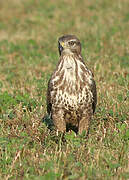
[{"x": 71, "y": 95}]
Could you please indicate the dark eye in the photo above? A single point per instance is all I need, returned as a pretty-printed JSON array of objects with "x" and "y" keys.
[{"x": 71, "y": 43}]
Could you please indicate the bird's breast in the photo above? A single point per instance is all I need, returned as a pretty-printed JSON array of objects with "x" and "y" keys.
[{"x": 71, "y": 83}]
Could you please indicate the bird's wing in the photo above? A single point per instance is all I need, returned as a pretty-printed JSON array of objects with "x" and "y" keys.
[
  {"x": 49, "y": 104},
  {"x": 94, "y": 92}
]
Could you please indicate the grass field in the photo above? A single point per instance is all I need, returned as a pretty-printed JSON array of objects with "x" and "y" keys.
[{"x": 28, "y": 55}]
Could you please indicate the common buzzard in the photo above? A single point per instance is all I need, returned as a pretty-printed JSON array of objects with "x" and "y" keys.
[{"x": 71, "y": 94}]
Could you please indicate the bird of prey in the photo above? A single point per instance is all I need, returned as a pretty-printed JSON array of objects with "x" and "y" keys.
[{"x": 71, "y": 94}]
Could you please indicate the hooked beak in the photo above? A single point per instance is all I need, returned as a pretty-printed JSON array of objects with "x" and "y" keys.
[{"x": 60, "y": 47}]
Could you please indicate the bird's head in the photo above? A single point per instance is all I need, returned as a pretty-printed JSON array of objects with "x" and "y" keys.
[{"x": 69, "y": 44}]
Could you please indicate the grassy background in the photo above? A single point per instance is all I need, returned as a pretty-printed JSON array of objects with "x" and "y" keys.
[{"x": 28, "y": 54}]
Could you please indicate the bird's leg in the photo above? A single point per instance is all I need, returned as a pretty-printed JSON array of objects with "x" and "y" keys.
[
  {"x": 58, "y": 119},
  {"x": 84, "y": 121}
]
